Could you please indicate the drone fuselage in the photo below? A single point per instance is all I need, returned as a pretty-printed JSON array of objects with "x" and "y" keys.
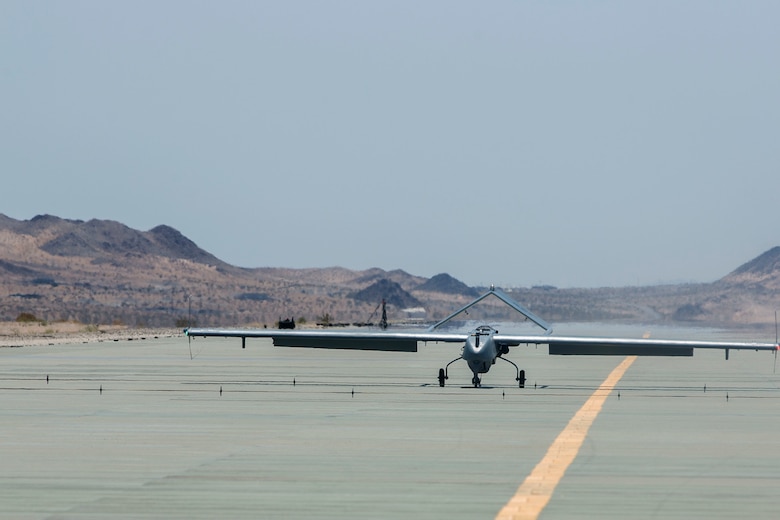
[{"x": 480, "y": 350}]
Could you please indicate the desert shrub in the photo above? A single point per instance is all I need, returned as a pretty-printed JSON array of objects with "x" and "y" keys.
[
  {"x": 26, "y": 317},
  {"x": 185, "y": 323}
]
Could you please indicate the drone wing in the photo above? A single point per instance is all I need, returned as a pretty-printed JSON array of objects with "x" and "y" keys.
[
  {"x": 580, "y": 345},
  {"x": 355, "y": 340}
]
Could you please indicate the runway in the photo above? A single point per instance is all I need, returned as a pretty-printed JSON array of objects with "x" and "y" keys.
[{"x": 138, "y": 429}]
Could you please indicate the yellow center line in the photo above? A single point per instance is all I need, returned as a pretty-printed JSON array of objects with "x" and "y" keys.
[{"x": 536, "y": 490}]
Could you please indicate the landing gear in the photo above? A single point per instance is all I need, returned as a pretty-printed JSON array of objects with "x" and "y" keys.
[
  {"x": 443, "y": 371},
  {"x": 520, "y": 373},
  {"x": 476, "y": 381}
]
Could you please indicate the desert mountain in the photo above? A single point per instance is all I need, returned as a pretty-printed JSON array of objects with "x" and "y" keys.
[
  {"x": 761, "y": 271},
  {"x": 101, "y": 271},
  {"x": 446, "y": 284},
  {"x": 389, "y": 291},
  {"x": 106, "y": 239}
]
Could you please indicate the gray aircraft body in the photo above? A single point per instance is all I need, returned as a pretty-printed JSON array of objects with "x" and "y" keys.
[{"x": 483, "y": 345}]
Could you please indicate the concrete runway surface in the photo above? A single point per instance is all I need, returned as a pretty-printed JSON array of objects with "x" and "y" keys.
[{"x": 138, "y": 429}]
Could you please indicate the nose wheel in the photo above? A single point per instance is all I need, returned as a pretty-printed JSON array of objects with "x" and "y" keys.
[{"x": 476, "y": 381}]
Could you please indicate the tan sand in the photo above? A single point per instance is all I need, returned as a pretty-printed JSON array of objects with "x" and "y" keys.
[{"x": 15, "y": 334}]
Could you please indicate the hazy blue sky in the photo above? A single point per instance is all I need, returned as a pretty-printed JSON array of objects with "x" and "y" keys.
[{"x": 518, "y": 143}]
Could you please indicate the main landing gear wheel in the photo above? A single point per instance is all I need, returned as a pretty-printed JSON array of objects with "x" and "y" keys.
[
  {"x": 520, "y": 373},
  {"x": 443, "y": 371}
]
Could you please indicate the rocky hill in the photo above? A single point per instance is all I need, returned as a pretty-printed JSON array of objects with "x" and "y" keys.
[
  {"x": 446, "y": 284},
  {"x": 103, "y": 272},
  {"x": 391, "y": 292}
]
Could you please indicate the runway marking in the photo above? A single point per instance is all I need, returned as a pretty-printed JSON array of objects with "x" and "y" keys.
[{"x": 536, "y": 490}]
